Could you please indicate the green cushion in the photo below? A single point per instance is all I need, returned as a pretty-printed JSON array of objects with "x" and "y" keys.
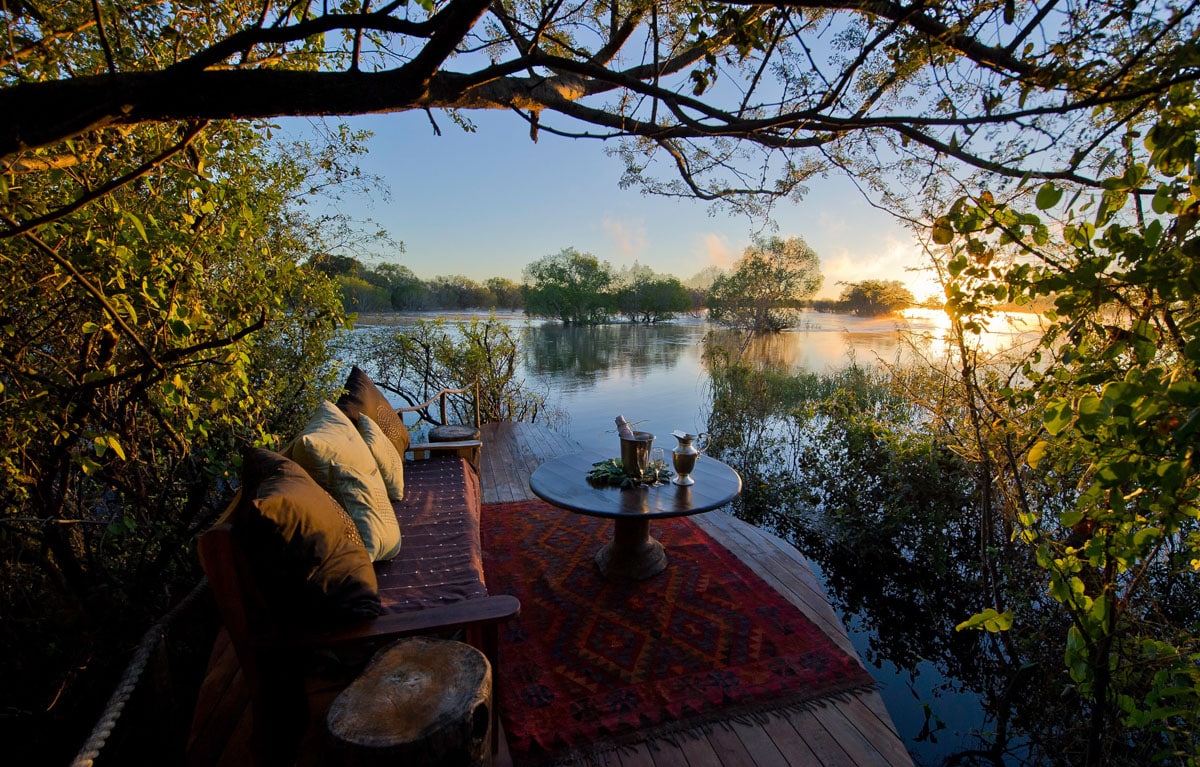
[
  {"x": 363, "y": 396},
  {"x": 333, "y": 452},
  {"x": 307, "y": 557},
  {"x": 391, "y": 466}
]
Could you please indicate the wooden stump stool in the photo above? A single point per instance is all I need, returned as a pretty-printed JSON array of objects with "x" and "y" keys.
[{"x": 419, "y": 702}]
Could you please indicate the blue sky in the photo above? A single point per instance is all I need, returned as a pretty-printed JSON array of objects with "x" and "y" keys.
[{"x": 485, "y": 204}]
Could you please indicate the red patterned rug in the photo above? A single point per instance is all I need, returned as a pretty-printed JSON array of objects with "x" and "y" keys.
[{"x": 590, "y": 665}]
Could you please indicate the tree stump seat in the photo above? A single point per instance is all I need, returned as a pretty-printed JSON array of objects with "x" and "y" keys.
[
  {"x": 455, "y": 432},
  {"x": 420, "y": 701}
]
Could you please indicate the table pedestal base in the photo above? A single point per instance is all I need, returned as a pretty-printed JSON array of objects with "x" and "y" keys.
[{"x": 632, "y": 555}]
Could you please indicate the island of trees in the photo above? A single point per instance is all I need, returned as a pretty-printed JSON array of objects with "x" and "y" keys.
[{"x": 762, "y": 292}]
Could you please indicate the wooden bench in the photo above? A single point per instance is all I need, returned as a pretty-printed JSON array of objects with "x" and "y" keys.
[{"x": 435, "y": 585}]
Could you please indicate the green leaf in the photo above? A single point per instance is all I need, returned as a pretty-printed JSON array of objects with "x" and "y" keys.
[
  {"x": 106, "y": 442},
  {"x": 943, "y": 231},
  {"x": 1070, "y": 518},
  {"x": 1090, "y": 413},
  {"x": 1186, "y": 393},
  {"x": 137, "y": 224},
  {"x": 957, "y": 265},
  {"x": 1057, "y": 416},
  {"x": 1037, "y": 452},
  {"x": 988, "y": 620},
  {"x": 1048, "y": 196}
]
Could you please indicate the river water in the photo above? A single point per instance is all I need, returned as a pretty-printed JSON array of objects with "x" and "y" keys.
[{"x": 655, "y": 376}]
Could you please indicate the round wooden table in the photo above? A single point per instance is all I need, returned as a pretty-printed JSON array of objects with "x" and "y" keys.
[{"x": 632, "y": 555}]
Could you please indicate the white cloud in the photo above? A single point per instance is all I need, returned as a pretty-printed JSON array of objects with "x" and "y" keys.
[
  {"x": 629, "y": 236},
  {"x": 715, "y": 250},
  {"x": 832, "y": 225}
]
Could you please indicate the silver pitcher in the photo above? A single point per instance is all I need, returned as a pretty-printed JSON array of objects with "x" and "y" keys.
[{"x": 685, "y": 455}]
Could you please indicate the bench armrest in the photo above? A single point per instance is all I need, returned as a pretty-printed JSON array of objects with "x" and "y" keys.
[
  {"x": 432, "y": 446},
  {"x": 468, "y": 613}
]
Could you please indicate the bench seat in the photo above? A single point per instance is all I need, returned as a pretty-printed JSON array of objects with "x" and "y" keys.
[{"x": 440, "y": 560}]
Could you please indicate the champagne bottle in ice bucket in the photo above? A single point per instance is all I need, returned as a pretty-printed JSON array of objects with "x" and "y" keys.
[{"x": 635, "y": 449}]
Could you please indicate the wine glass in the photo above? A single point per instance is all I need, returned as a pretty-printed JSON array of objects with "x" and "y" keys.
[{"x": 658, "y": 462}]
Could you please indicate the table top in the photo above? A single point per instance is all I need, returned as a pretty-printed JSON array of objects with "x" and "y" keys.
[{"x": 563, "y": 482}]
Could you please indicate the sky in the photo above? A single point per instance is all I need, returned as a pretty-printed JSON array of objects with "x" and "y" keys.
[{"x": 486, "y": 204}]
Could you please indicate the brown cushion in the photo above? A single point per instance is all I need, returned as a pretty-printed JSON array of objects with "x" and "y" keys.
[
  {"x": 363, "y": 396},
  {"x": 308, "y": 559}
]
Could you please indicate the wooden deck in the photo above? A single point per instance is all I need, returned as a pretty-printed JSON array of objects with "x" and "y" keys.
[
  {"x": 856, "y": 731},
  {"x": 846, "y": 732}
]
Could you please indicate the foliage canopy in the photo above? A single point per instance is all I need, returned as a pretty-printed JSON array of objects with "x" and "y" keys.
[
  {"x": 147, "y": 338},
  {"x": 708, "y": 98}
]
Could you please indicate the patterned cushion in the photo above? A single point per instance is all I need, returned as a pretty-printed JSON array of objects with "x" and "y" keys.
[
  {"x": 391, "y": 465},
  {"x": 304, "y": 548},
  {"x": 333, "y": 452},
  {"x": 363, "y": 396}
]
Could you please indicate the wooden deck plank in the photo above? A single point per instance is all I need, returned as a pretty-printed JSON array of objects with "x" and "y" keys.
[
  {"x": 789, "y": 742},
  {"x": 699, "y": 752},
  {"x": 823, "y": 746},
  {"x": 861, "y": 750},
  {"x": 638, "y": 756},
  {"x": 757, "y": 746},
  {"x": 881, "y": 735},
  {"x": 876, "y": 705}
]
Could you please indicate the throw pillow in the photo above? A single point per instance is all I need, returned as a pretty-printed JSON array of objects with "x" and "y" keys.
[
  {"x": 391, "y": 467},
  {"x": 331, "y": 450},
  {"x": 363, "y": 396},
  {"x": 303, "y": 547}
]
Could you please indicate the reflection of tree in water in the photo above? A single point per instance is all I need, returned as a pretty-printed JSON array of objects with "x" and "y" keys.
[
  {"x": 587, "y": 354},
  {"x": 890, "y": 517},
  {"x": 824, "y": 348}
]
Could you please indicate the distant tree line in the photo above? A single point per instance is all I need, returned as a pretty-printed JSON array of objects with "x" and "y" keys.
[
  {"x": 578, "y": 288},
  {"x": 763, "y": 291},
  {"x": 391, "y": 287}
]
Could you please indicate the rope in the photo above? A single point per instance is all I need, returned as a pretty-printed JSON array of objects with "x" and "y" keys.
[{"x": 129, "y": 680}]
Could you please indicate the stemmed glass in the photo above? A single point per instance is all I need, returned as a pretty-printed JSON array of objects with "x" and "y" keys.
[{"x": 658, "y": 463}]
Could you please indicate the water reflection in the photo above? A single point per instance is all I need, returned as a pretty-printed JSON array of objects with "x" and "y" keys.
[{"x": 580, "y": 356}]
